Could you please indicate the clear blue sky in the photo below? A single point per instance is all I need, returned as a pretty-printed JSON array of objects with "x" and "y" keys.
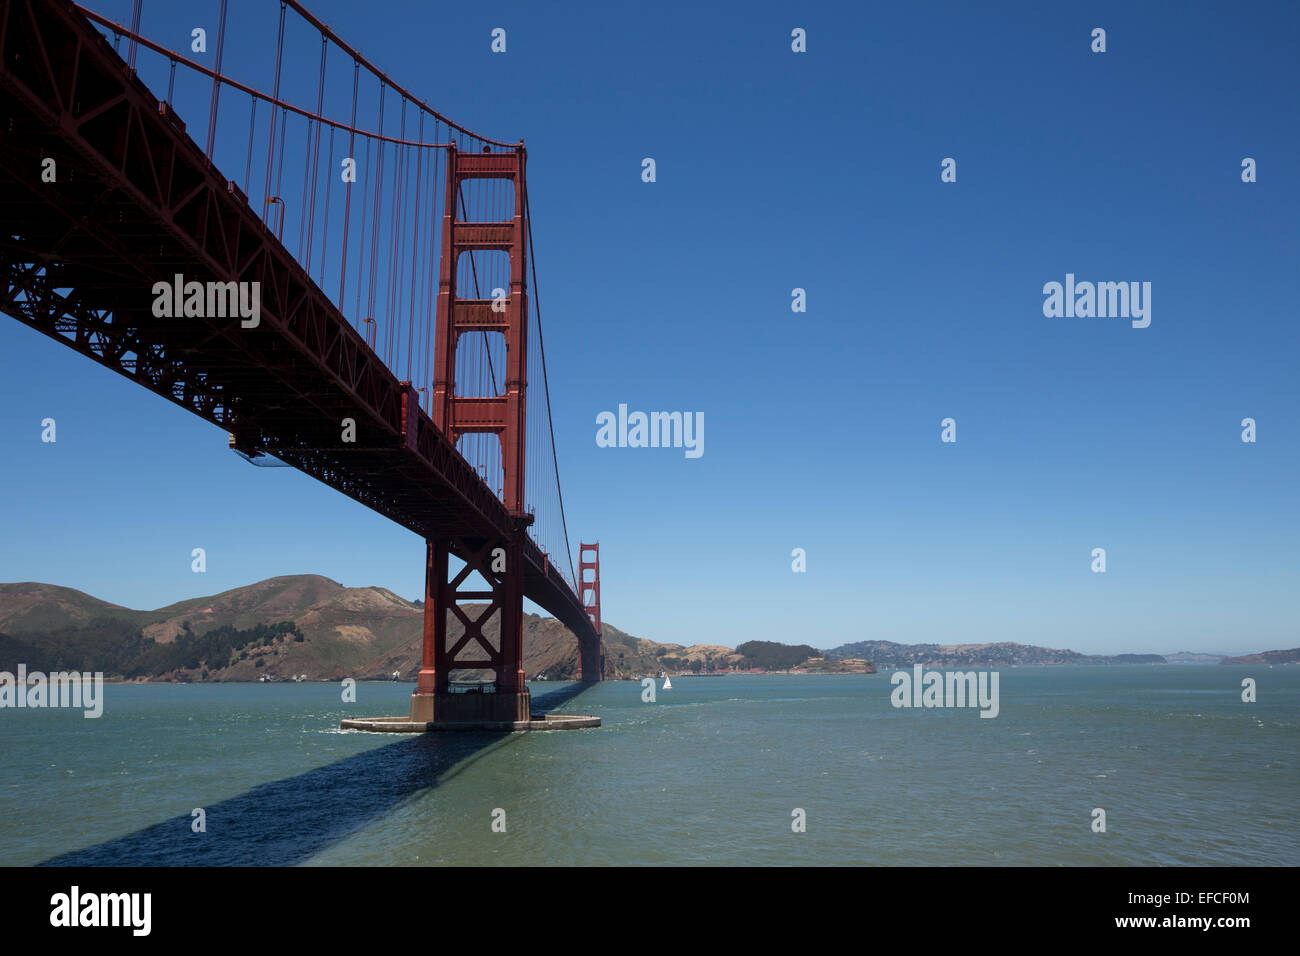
[{"x": 819, "y": 170}]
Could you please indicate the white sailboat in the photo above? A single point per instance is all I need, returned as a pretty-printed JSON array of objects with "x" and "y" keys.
[{"x": 668, "y": 683}]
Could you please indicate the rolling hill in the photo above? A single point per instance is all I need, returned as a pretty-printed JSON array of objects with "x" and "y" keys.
[{"x": 337, "y": 631}]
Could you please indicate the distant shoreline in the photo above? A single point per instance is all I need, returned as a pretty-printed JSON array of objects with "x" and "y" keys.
[
  {"x": 685, "y": 674},
  {"x": 306, "y": 626}
]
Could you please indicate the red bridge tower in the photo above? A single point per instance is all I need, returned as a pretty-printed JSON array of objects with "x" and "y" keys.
[
  {"x": 591, "y": 664},
  {"x": 498, "y": 561}
]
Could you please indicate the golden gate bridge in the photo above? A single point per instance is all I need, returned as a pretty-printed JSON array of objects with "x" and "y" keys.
[{"x": 396, "y": 353}]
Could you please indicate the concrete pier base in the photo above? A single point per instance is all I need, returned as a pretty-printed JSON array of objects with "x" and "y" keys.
[
  {"x": 470, "y": 711},
  {"x": 439, "y": 708},
  {"x": 405, "y": 725}
]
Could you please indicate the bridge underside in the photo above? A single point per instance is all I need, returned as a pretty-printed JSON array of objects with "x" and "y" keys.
[{"x": 135, "y": 201}]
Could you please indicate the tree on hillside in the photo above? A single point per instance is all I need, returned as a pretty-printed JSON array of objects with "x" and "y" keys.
[{"x": 769, "y": 655}]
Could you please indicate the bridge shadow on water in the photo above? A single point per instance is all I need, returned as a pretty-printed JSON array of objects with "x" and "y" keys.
[{"x": 284, "y": 822}]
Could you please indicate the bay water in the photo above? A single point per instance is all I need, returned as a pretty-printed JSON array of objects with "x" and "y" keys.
[{"x": 717, "y": 770}]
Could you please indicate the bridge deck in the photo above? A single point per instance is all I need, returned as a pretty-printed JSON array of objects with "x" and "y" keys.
[{"x": 137, "y": 202}]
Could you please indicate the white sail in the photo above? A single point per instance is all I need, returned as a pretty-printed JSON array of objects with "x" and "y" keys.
[{"x": 668, "y": 684}]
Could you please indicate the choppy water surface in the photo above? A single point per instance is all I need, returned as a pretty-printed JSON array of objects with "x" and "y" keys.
[{"x": 710, "y": 773}]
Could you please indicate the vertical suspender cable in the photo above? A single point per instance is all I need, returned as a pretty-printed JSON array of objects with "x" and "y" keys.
[
  {"x": 275, "y": 95},
  {"x": 325, "y": 226},
  {"x": 135, "y": 30},
  {"x": 374, "y": 217},
  {"x": 412, "y": 343},
  {"x": 361, "y": 249},
  {"x": 391, "y": 351},
  {"x": 216, "y": 82},
  {"x": 248, "y": 161},
  {"x": 279, "y": 171},
  {"x": 347, "y": 202},
  {"x": 313, "y": 150}
]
